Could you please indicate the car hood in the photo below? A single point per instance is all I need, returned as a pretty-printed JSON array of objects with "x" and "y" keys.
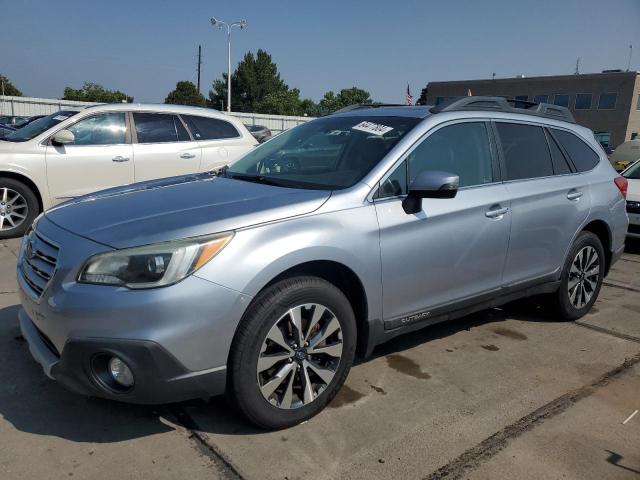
[{"x": 179, "y": 207}]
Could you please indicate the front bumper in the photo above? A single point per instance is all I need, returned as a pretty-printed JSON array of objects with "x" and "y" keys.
[{"x": 159, "y": 377}]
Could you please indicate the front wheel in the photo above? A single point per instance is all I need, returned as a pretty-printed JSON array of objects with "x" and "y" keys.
[
  {"x": 581, "y": 278},
  {"x": 292, "y": 352},
  {"x": 18, "y": 207}
]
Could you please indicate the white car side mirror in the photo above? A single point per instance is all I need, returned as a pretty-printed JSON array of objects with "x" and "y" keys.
[{"x": 63, "y": 137}]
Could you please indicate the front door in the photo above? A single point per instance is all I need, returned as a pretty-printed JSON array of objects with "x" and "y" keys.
[
  {"x": 100, "y": 157},
  {"x": 454, "y": 249},
  {"x": 162, "y": 147}
]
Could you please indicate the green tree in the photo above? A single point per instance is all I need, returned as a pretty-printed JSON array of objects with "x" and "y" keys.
[
  {"x": 9, "y": 88},
  {"x": 423, "y": 97},
  {"x": 347, "y": 96},
  {"x": 280, "y": 102},
  {"x": 92, "y": 92},
  {"x": 255, "y": 78},
  {"x": 186, "y": 93}
]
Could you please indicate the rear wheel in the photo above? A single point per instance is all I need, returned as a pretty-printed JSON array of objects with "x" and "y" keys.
[
  {"x": 18, "y": 208},
  {"x": 581, "y": 278},
  {"x": 292, "y": 352}
]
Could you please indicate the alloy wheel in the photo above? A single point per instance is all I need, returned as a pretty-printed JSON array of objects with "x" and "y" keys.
[
  {"x": 299, "y": 356},
  {"x": 583, "y": 276},
  {"x": 13, "y": 209}
]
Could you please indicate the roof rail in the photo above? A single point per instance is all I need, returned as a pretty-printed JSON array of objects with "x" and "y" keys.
[
  {"x": 361, "y": 106},
  {"x": 501, "y": 104}
]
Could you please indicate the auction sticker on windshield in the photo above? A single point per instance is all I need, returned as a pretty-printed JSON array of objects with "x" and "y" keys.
[{"x": 374, "y": 128}]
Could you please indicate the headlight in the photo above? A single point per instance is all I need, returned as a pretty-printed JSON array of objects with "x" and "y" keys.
[{"x": 153, "y": 265}]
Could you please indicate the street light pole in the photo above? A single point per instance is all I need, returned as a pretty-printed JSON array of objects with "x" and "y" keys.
[{"x": 241, "y": 24}]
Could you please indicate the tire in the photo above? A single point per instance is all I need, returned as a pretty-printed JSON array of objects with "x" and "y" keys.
[
  {"x": 574, "y": 300},
  {"x": 17, "y": 200},
  {"x": 253, "y": 349}
]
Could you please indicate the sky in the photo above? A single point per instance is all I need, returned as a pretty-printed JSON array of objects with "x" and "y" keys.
[{"x": 143, "y": 47}]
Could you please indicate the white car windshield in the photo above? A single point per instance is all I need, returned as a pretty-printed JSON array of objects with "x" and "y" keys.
[{"x": 39, "y": 126}]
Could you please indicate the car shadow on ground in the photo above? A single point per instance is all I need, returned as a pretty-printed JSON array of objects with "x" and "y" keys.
[{"x": 34, "y": 404}]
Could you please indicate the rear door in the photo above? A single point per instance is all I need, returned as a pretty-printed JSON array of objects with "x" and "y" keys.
[
  {"x": 99, "y": 158},
  {"x": 549, "y": 201},
  {"x": 221, "y": 142},
  {"x": 163, "y": 147}
]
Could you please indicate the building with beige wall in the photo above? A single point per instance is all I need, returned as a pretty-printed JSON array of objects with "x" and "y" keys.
[{"x": 608, "y": 102}]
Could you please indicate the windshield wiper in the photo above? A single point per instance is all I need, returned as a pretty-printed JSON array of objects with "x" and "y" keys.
[{"x": 258, "y": 179}]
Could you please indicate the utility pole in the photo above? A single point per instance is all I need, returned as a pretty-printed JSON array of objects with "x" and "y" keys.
[
  {"x": 577, "y": 72},
  {"x": 629, "y": 61},
  {"x": 199, "y": 64}
]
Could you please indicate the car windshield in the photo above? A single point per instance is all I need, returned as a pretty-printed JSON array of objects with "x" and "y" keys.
[
  {"x": 327, "y": 153},
  {"x": 633, "y": 171},
  {"x": 38, "y": 126}
]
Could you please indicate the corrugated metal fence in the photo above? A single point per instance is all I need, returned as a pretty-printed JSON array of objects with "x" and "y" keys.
[{"x": 28, "y": 106}]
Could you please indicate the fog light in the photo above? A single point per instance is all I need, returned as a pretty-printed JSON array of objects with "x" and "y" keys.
[{"x": 120, "y": 372}]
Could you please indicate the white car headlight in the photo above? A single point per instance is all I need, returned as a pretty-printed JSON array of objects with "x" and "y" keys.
[{"x": 155, "y": 265}]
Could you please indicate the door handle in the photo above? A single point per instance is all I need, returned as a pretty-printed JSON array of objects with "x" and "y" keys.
[
  {"x": 495, "y": 213},
  {"x": 120, "y": 159},
  {"x": 574, "y": 195},
  {"x": 187, "y": 155}
]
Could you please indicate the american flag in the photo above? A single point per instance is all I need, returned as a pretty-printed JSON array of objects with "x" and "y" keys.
[{"x": 409, "y": 96}]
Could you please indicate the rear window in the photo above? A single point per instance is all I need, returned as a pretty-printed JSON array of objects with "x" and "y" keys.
[
  {"x": 207, "y": 128},
  {"x": 159, "y": 128},
  {"x": 525, "y": 150},
  {"x": 582, "y": 156}
]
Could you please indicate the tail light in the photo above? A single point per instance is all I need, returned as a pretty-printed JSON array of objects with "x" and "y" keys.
[{"x": 622, "y": 185}]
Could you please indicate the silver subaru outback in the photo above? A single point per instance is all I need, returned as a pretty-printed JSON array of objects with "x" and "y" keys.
[{"x": 267, "y": 278}]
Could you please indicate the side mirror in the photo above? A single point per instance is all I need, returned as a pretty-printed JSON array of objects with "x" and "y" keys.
[
  {"x": 430, "y": 184},
  {"x": 63, "y": 137}
]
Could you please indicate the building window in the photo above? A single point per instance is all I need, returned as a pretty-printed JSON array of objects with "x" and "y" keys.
[
  {"x": 561, "y": 99},
  {"x": 522, "y": 98},
  {"x": 638, "y": 104},
  {"x": 603, "y": 137},
  {"x": 583, "y": 101},
  {"x": 634, "y": 135},
  {"x": 607, "y": 101},
  {"x": 541, "y": 98}
]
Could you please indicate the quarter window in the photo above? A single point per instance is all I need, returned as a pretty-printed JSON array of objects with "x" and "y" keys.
[
  {"x": 159, "y": 128},
  {"x": 525, "y": 150},
  {"x": 583, "y": 101},
  {"x": 560, "y": 164},
  {"x": 562, "y": 100},
  {"x": 607, "y": 101},
  {"x": 462, "y": 149},
  {"x": 395, "y": 184},
  {"x": 207, "y": 128},
  {"x": 101, "y": 129},
  {"x": 583, "y": 157}
]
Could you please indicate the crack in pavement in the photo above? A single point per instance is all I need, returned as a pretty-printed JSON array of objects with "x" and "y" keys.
[
  {"x": 489, "y": 447},
  {"x": 202, "y": 443},
  {"x": 606, "y": 331},
  {"x": 622, "y": 286}
]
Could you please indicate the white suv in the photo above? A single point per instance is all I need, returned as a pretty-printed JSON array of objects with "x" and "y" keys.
[{"x": 71, "y": 153}]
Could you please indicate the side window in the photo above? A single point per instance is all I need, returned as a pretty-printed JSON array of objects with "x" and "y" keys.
[
  {"x": 395, "y": 184},
  {"x": 583, "y": 157},
  {"x": 159, "y": 128},
  {"x": 207, "y": 128},
  {"x": 560, "y": 164},
  {"x": 101, "y": 129},
  {"x": 525, "y": 150},
  {"x": 462, "y": 149}
]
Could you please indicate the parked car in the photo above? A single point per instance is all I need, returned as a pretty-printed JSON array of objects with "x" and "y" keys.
[
  {"x": 5, "y": 130},
  {"x": 267, "y": 279},
  {"x": 71, "y": 153},
  {"x": 259, "y": 132},
  {"x": 27, "y": 121},
  {"x": 625, "y": 154},
  {"x": 11, "y": 120},
  {"x": 632, "y": 174}
]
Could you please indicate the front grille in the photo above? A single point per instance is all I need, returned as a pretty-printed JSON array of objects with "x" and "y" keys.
[
  {"x": 633, "y": 207},
  {"x": 39, "y": 262},
  {"x": 634, "y": 228}
]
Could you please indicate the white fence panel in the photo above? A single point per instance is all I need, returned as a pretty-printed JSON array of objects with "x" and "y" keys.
[{"x": 28, "y": 106}]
